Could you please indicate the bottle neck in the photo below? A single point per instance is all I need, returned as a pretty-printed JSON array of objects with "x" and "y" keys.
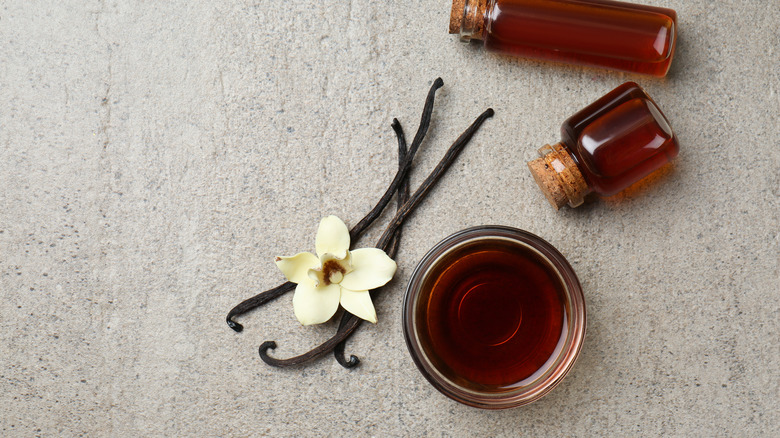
[
  {"x": 467, "y": 19},
  {"x": 558, "y": 176}
]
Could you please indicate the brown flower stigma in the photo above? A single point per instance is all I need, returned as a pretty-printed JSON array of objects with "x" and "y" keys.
[{"x": 332, "y": 272}]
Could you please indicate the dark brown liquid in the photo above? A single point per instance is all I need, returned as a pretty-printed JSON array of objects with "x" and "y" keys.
[
  {"x": 603, "y": 33},
  {"x": 495, "y": 314},
  {"x": 619, "y": 139}
]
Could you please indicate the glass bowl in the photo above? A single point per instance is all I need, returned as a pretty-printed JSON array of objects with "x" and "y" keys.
[{"x": 494, "y": 317}]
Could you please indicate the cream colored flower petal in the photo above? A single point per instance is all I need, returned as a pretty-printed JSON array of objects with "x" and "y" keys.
[
  {"x": 317, "y": 276},
  {"x": 315, "y": 305},
  {"x": 371, "y": 268},
  {"x": 358, "y": 303},
  {"x": 296, "y": 268},
  {"x": 332, "y": 237}
]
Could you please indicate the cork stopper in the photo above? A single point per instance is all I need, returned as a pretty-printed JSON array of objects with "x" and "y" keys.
[
  {"x": 456, "y": 15},
  {"x": 467, "y": 18},
  {"x": 548, "y": 182},
  {"x": 558, "y": 177}
]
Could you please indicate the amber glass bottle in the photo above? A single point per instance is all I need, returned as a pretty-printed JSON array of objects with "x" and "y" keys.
[
  {"x": 607, "y": 146},
  {"x": 602, "y": 33}
]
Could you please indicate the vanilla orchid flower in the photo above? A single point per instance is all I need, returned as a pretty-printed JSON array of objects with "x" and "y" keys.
[{"x": 335, "y": 275}]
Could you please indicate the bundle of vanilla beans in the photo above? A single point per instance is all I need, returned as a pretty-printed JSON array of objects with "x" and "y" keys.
[{"x": 388, "y": 242}]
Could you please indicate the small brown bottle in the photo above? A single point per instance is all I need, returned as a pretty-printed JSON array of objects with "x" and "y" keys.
[
  {"x": 607, "y": 146},
  {"x": 601, "y": 33}
]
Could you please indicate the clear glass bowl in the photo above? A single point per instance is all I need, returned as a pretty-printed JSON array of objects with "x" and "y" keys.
[{"x": 548, "y": 375}]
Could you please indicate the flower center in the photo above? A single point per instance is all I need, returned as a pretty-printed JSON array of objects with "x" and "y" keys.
[
  {"x": 336, "y": 277},
  {"x": 332, "y": 272}
]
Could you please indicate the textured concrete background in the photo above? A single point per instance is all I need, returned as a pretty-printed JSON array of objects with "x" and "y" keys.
[{"x": 156, "y": 156}]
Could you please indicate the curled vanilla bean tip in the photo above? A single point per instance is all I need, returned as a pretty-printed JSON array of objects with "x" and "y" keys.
[
  {"x": 263, "y": 350},
  {"x": 351, "y": 363},
  {"x": 255, "y": 302},
  {"x": 234, "y": 325}
]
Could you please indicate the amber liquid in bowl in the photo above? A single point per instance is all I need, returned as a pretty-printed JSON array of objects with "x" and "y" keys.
[{"x": 494, "y": 317}]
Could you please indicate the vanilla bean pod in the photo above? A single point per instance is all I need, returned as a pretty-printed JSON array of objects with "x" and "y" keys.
[
  {"x": 403, "y": 167},
  {"x": 403, "y": 188},
  {"x": 351, "y": 322},
  {"x": 434, "y": 177},
  {"x": 356, "y": 231},
  {"x": 403, "y": 196}
]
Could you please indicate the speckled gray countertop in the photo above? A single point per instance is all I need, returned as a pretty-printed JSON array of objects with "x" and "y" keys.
[{"x": 156, "y": 156}]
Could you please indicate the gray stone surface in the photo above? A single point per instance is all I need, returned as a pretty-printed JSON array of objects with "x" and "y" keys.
[{"x": 156, "y": 156}]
